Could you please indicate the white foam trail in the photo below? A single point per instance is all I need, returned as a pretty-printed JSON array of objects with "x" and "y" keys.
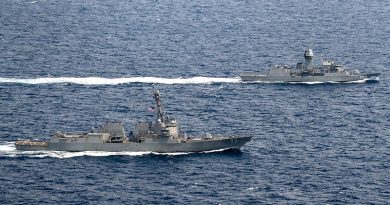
[
  {"x": 358, "y": 81},
  {"x": 252, "y": 188},
  {"x": 217, "y": 150},
  {"x": 8, "y": 149},
  {"x": 147, "y": 80},
  {"x": 116, "y": 81}
]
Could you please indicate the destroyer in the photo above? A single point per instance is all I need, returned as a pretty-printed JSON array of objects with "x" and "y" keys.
[
  {"x": 327, "y": 72},
  {"x": 162, "y": 136}
]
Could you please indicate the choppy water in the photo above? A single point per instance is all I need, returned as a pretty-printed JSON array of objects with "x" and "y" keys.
[{"x": 71, "y": 65}]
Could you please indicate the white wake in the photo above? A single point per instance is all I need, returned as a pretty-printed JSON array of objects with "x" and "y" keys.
[
  {"x": 147, "y": 80},
  {"x": 8, "y": 149},
  {"x": 116, "y": 81}
]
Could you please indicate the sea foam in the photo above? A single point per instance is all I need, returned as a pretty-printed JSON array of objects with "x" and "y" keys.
[
  {"x": 8, "y": 149},
  {"x": 146, "y": 80},
  {"x": 116, "y": 81}
]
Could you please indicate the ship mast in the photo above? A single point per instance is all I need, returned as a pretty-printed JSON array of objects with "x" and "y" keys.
[{"x": 160, "y": 111}]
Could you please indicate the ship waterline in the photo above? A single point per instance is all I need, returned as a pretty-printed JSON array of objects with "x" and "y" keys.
[{"x": 191, "y": 145}]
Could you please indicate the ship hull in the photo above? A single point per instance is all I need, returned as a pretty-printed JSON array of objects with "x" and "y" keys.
[
  {"x": 185, "y": 146},
  {"x": 252, "y": 77}
]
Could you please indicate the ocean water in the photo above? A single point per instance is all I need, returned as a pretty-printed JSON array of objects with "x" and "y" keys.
[{"x": 72, "y": 65}]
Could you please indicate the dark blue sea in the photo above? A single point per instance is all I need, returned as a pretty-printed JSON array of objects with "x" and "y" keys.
[{"x": 73, "y": 65}]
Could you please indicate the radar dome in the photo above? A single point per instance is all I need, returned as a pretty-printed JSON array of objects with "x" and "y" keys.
[
  {"x": 308, "y": 59},
  {"x": 308, "y": 53}
]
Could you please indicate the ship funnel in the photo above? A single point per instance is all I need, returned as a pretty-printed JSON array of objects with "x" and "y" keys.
[{"x": 308, "y": 58}]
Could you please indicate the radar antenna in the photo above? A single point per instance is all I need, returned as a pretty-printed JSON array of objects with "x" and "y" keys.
[{"x": 160, "y": 110}]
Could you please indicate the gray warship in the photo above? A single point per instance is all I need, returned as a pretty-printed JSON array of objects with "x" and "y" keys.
[
  {"x": 307, "y": 72},
  {"x": 161, "y": 136}
]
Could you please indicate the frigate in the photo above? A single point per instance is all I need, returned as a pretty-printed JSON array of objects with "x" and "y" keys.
[
  {"x": 161, "y": 135},
  {"x": 307, "y": 72}
]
